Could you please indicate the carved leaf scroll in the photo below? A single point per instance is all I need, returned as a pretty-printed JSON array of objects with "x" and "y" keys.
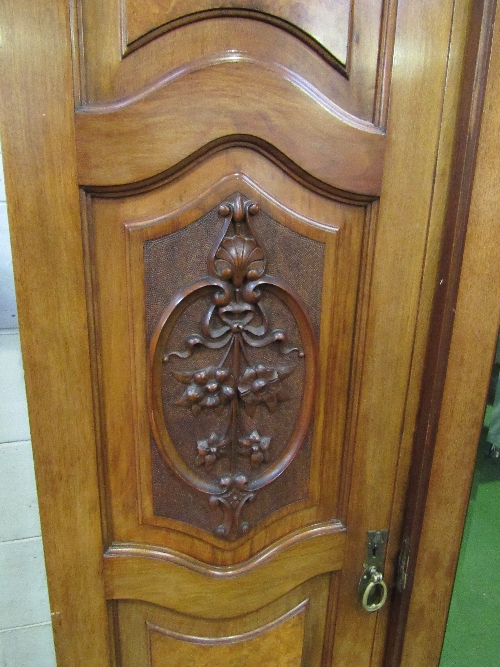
[{"x": 240, "y": 381}]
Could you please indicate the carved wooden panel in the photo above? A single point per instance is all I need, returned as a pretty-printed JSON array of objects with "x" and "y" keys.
[
  {"x": 311, "y": 431},
  {"x": 327, "y": 23},
  {"x": 238, "y": 310},
  {"x": 232, "y": 419}
]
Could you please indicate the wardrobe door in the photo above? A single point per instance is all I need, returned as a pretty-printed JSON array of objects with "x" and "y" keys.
[{"x": 243, "y": 244}]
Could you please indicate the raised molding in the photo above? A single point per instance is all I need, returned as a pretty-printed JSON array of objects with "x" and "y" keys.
[
  {"x": 234, "y": 639},
  {"x": 338, "y": 63},
  {"x": 158, "y": 131},
  {"x": 164, "y": 581},
  {"x": 131, "y": 550}
]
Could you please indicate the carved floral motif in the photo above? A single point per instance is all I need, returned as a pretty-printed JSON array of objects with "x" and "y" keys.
[
  {"x": 234, "y": 496},
  {"x": 236, "y": 324},
  {"x": 256, "y": 447},
  {"x": 210, "y": 388},
  {"x": 262, "y": 385},
  {"x": 211, "y": 449}
]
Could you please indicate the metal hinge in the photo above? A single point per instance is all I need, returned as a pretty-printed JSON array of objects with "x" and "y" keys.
[{"x": 404, "y": 556}]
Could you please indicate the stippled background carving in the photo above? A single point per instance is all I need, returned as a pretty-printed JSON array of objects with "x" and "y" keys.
[{"x": 172, "y": 263}]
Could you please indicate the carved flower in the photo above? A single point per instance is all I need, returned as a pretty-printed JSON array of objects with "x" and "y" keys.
[
  {"x": 256, "y": 447},
  {"x": 238, "y": 258},
  {"x": 210, "y": 450},
  {"x": 261, "y": 384},
  {"x": 210, "y": 387}
]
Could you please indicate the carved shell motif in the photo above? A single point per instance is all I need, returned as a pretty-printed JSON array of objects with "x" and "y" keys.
[
  {"x": 239, "y": 258},
  {"x": 241, "y": 380}
]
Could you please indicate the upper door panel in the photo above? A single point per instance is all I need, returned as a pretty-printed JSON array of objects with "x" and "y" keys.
[
  {"x": 339, "y": 50},
  {"x": 319, "y": 21}
]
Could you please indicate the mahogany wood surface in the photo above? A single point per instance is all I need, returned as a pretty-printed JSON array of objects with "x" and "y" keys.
[
  {"x": 383, "y": 645},
  {"x": 103, "y": 74},
  {"x": 156, "y": 130},
  {"x": 190, "y": 587},
  {"x": 374, "y": 424},
  {"x": 162, "y": 135}
]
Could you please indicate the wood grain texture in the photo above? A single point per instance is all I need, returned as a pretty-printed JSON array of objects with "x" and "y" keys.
[
  {"x": 471, "y": 35},
  {"x": 47, "y": 252},
  {"x": 216, "y": 593},
  {"x": 148, "y": 117},
  {"x": 283, "y": 637},
  {"x": 143, "y": 136},
  {"x": 472, "y": 348},
  {"x": 325, "y": 27},
  {"x": 396, "y": 279},
  {"x": 445, "y": 164},
  {"x": 134, "y": 516},
  {"x": 137, "y": 621},
  {"x": 103, "y": 74}
]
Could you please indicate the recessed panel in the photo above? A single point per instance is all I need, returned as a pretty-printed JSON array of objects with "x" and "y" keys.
[
  {"x": 285, "y": 639},
  {"x": 326, "y": 22},
  {"x": 225, "y": 336},
  {"x": 287, "y": 632},
  {"x": 233, "y": 366}
]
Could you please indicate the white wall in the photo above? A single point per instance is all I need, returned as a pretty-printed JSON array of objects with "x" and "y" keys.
[{"x": 25, "y": 627}]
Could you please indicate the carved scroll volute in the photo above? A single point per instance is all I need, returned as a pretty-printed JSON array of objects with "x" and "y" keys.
[{"x": 239, "y": 382}]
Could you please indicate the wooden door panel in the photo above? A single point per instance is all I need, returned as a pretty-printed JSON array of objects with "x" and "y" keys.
[
  {"x": 171, "y": 135},
  {"x": 162, "y": 128},
  {"x": 108, "y": 68},
  {"x": 321, "y": 259},
  {"x": 290, "y": 630},
  {"x": 326, "y": 23}
]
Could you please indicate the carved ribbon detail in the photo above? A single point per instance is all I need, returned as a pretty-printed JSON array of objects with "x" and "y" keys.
[{"x": 237, "y": 326}]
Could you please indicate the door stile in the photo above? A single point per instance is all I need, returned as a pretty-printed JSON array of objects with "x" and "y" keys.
[
  {"x": 50, "y": 288},
  {"x": 474, "y": 338},
  {"x": 400, "y": 203},
  {"x": 476, "y": 44},
  {"x": 465, "y": 80}
]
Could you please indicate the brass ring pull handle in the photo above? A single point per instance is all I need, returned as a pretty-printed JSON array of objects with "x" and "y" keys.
[{"x": 372, "y": 590}]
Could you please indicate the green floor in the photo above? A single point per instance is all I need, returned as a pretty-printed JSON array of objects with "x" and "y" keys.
[{"x": 473, "y": 630}]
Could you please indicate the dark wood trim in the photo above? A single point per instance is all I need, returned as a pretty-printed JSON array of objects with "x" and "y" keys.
[
  {"x": 476, "y": 62},
  {"x": 223, "y": 143},
  {"x": 228, "y": 12}
]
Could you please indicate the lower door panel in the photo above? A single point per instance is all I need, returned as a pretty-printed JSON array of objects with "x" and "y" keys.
[{"x": 288, "y": 632}]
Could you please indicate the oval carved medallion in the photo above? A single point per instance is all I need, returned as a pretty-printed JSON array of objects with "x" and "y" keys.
[{"x": 233, "y": 374}]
